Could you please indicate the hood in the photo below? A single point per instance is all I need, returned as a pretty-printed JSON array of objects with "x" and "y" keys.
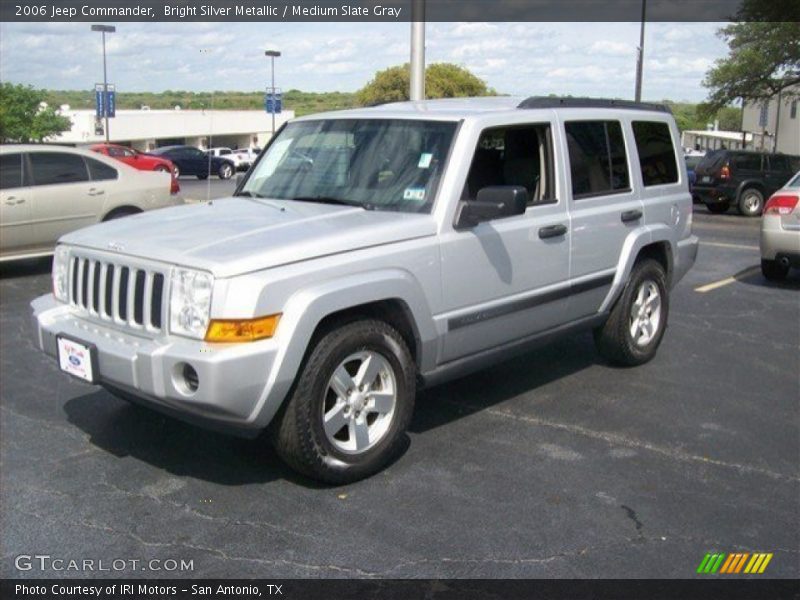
[{"x": 230, "y": 236}]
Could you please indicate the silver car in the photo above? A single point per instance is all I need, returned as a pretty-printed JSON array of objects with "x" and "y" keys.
[
  {"x": 780, "y": 231},
  {"x": 370, "y": 252},
  {"x": 48, "y": 191}
]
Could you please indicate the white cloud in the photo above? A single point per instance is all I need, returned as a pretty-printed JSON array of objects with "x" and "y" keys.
[{"x": 612, "y": 48}]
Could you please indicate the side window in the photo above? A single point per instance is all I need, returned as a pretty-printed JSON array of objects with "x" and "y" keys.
[
  {"x": 115, "y": 151},
  {"x": 779, "y": 163},
  {"x": 57, "y": 167},
  {"x": 597, "y": 158},
  {"x": 127, "y": 152},
  {"x": 11, "y": 171},
  {"x": 656, "y": 152},
  {"x": 514, "y": 155},
  {"x": 100, "y": 171},
  {"x": 747, "y": 162},
  {"x": 224, "y": 152}
]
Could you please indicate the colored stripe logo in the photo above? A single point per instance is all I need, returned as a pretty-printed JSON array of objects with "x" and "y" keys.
[{"x": 738, "y": 562}]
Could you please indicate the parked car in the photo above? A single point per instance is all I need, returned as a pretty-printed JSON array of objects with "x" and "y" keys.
[
  {"x": 140, "y": 161},
  {"x": 741, "y": 178},
  {"x": 780, "y": 231},
  {"x": 189, "y": 160},
  {"x": 47, "y": 191},
  {"x": 372, "y": 250},
  {"x": 240, "y": 162},
  {"x": 248, "y": 155}
]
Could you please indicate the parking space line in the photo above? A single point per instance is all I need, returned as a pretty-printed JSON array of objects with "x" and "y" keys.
[
  {"x": 724, "y": 245},
  {"x": 727, "y": 281}
]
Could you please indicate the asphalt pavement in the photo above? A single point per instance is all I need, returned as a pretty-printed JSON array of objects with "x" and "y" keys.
[{"x": 550, "y": 465}]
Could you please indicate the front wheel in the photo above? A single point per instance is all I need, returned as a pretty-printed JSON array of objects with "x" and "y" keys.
[
  {"x": 634, "y": 329},
  {"x": 751, "y": 202},
  {"x": 351, "y": 405},
  {"x": 202, "y": 177}
]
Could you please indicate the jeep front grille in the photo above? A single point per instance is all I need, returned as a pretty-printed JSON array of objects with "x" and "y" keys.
[{"x": 124, "y": 294}]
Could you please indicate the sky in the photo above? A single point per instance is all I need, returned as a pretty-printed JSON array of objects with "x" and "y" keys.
[{"x": 595, "y": 59}]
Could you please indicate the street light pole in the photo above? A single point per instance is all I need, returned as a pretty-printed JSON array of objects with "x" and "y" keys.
[
  {"x": 273, "y": 54},
  {"x": 640, "y": 57},
  {"x": 416, "y": 92},
  {"x": 103, "y": 29}
]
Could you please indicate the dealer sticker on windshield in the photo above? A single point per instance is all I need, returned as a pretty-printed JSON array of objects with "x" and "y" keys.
[
  {"x": 425, "y": 160},
  {"x": 414, "y": 193}
]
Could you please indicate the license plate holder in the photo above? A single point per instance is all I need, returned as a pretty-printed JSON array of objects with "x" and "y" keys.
[{"x": 77, "y": 358}]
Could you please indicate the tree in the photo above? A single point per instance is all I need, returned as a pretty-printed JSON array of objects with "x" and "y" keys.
[
  {"x": 23, "y": 118},
  {"x": 442, "y": 80},
  {"x": 764, "y": 57}
]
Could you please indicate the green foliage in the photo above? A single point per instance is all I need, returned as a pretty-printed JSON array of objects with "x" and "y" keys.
[
  {"x": 764, "y": 55},
  {"x": 23, "y": 120},
  {"x": 442, "y": 80}
]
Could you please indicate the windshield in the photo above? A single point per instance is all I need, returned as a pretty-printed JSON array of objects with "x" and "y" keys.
[{"x": 383, "y": 164}]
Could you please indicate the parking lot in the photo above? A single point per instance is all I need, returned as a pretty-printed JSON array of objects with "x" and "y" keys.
[{"x": 550, "y": 465}]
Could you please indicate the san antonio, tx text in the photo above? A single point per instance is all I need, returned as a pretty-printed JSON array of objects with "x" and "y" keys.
[
  {"x": 281, "y": 12},
  {"x": 138, "y": 590}
]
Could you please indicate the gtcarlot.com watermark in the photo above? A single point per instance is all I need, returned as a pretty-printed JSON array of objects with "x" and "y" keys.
[{"x": 46, "y": 562}]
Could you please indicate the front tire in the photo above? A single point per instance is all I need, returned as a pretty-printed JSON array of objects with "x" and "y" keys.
[
  {"x": 351, "y": 405},
  {"x": 225, "y": 171},
  {"x": 636, "y": 325},
  {"x": 751, "y": 202},
  {"x": 773, "y": 270}
]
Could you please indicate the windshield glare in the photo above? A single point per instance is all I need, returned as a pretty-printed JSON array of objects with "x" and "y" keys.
[{"x": 384, "y": 164}]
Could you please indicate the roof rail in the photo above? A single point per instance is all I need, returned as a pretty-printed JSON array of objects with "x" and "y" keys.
[{"x": 562, "y": 102}]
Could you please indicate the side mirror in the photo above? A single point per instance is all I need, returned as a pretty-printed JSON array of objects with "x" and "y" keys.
[{"x": 494, "y": 202}]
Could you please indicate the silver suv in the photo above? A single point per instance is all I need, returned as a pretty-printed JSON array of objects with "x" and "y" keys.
[{"x": 370, "y": 252}]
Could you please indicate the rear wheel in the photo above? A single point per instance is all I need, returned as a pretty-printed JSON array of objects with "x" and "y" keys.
[
  {"x": 225, "y": 171},
  {"x": 751, "y": 202},
  {"x": 634, "y": 329},
  {"x": 351, "y": 405},
  {"x": 773, "y": 270},
  {"x": 718, "y": 209}
]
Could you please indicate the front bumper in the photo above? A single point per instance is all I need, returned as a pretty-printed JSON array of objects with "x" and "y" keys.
[{"x": 233, "y": 379}]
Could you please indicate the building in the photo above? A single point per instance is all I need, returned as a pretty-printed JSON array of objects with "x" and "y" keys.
[
  {"x": 775, "y": 125},
  {"x": 712, "y": 139},
  {"x": 149, "y": 129}
]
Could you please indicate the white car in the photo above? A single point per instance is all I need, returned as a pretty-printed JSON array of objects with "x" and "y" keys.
[
  {"x": 48, "y": 191},
  {"x": 780, "y": 231},
  {"x": 240, "y": 160}
]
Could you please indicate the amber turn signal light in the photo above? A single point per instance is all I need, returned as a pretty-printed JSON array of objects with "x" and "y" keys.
[{"x": 242, "y": 330}]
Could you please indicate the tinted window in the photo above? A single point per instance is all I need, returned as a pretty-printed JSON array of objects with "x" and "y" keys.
[
  {"x": 779, "y": 163},
  {"x": 656, "y": 153},
  {"x": 56, "y": 167},
  {"x": 518, "y": 156},
  {"x": 598, "y": 162},
  {"x": 115, "y": 151},
  {"x": 10, "y": 171},
  {"x": 748, "y": 162},
  {"x": 224, "y": 152},
  {"x": 100, "y": 171}
]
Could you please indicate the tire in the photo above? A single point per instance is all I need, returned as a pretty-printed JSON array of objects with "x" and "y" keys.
[
  {"x": 718, "y": 209},
  {"x": 202, "y": 177},
  {"x": 773, "y": 270},
  {"x": 225, "y": 171},
  {"x": 119, "y": 213},
  {"x": 615, "y": 340},
  {"x": 176, "y": 171},
  {"x": 338, "y": 456},
  {"x": 751, "y": 202}
]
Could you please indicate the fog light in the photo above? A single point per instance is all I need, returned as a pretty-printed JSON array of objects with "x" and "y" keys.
[{"x": 185, "y": 378}]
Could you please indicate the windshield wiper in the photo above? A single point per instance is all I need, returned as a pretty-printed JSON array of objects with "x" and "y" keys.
[
  {"x": 329, "y": 200},
  {"x": 247, "y": 194}
]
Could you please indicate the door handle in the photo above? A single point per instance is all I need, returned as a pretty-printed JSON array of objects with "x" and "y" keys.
[
  {"x": 12, "y": 200},
  {"x": 96, "y": 192},
  {"x": 552, "y": 231},
  {"x": 631, "y": 215}
]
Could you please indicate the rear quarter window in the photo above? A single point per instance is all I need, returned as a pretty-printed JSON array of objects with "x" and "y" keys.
[
  {"x": 100, "y": 171},
  {"x": 656, "y": 153}
]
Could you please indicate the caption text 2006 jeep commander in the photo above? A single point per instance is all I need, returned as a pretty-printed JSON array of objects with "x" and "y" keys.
[{"x": 370, "y": 251}]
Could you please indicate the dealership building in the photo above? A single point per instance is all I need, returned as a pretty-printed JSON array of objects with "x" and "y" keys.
[{"x": 148, "y": 129}]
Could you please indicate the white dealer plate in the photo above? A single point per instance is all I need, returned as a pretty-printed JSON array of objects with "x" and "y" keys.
[{"x": 77, "y": 358}]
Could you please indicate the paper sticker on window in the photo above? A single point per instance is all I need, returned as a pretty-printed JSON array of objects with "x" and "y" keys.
[
  {"x": 425, "y": 160},
  {"x": 416, "y": 193}
]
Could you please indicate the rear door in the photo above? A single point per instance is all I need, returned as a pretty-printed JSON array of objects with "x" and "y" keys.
[
  {"x": 604, "y": 209},
  {"x": 65, "y": 198},
  {"x": 777, "y": 172},
  {"x": 15, "y": 205}
]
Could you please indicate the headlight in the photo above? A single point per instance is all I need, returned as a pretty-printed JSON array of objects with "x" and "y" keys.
[
  {"x": 61, "y": 274},
  {"x": 190, "y": 302}
]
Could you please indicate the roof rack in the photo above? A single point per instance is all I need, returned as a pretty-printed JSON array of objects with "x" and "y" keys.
[{"x": 560, "y": 102}]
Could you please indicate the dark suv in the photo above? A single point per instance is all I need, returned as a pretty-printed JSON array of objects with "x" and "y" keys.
[{"x": 742, "y": 178}]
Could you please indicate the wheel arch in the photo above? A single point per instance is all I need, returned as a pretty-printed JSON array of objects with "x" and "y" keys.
[
  {"x": 127, "y": 209},
  {"x": 750, "y": 183}
]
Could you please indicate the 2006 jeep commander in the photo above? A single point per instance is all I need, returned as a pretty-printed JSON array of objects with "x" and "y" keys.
[{"x": 371, "y": 251}]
